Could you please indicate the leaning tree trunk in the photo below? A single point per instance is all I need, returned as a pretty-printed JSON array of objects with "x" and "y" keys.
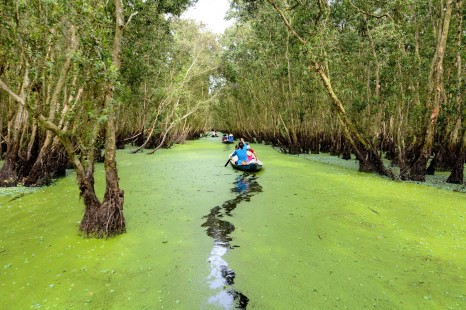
[{"x": 366, "y": 153}]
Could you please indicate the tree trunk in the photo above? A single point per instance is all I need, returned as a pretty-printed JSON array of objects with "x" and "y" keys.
[
  {"x": 50, "y": 163},
  {"x": 100, "y": 219},
  {"x": 457, "y": 173},
  {"x": 46, "y": 164},
  {"x": 107, "y": 219},
  {"x": 104, "y": 219},
  {"x": 432, "y": 166},
  {"x": 9, "y": 176},
  {"x": 417, "y": 170},
  {"x": 376, "y": 60},
  {"x": 1, "y": 132},
  {"x": 315, "y": 143},
  {"x": 369, "y": 159},
  {"x": 10, "y": 173}
]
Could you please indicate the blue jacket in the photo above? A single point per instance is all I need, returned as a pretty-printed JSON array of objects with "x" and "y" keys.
[{"x": 241, "y": 153}]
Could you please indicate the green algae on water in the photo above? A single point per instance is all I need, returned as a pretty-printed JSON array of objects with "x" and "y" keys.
[{"x": 317, "y": 236}]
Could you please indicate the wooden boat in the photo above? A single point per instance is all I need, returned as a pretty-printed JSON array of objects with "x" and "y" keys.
[
  {"x": 251, "y": 167},
  {"x": 228, "y": 141}
]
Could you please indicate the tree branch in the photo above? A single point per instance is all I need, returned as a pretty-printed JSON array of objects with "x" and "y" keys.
[
  {"x": 130, "y": 17},
  {"x": 369, "y": 14},
  {"x": 12, "y": 93},
  {"x": 287, "y": 23}
]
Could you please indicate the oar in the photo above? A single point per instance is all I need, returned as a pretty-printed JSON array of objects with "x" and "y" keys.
[{"x": 227, "y": 162}]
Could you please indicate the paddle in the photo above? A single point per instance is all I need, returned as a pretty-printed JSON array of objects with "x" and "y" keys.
[{"x": 227, "y": 162}]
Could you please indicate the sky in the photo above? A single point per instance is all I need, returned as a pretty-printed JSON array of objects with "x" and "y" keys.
[{"x": 211, "y": 13}]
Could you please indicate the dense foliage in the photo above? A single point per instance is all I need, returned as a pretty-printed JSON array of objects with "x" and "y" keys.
[
  {"x": 383, "y": 77},
  {"x": 63, "y": 98},
  {"x": 378, "y": 80}
]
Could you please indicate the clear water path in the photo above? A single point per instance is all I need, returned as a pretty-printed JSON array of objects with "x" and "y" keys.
[{"x": 221, "y": 278}]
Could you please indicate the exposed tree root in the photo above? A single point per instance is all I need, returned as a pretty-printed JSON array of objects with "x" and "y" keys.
[{"x": 105, "y": 220}]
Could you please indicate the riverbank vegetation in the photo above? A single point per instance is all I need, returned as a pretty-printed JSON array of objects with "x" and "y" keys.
[
  {"x": 382, "y": 82},
  {"x": 357, "y": 77}
]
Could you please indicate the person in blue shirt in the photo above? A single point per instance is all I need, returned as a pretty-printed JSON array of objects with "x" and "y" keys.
[
  {"x": 247, "y": 145},
  {"x": 241, "y": 152},
  {"x": 230, "y": 138}
]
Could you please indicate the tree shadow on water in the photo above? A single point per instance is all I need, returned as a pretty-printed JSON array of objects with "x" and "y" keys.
[{"x": 221, "y": 277}]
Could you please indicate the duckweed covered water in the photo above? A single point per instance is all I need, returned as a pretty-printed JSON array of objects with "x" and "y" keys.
[{"x": 316, "y": 236}]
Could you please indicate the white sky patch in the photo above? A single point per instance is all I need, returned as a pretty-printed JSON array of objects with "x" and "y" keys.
[{"x": 211, "y": 13}]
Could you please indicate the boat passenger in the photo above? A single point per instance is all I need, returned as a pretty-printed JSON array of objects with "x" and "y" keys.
[
  {"x": 224, "y": 137},
  {"x": 230, "y": 138},
  {"x": 251, "y": 156},
  {"x": 241, "y": 153},
  {"x": 245, "y": 143}
]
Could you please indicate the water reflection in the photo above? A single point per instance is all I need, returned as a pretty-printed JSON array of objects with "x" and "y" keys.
[{"x": 221, "y": 278}]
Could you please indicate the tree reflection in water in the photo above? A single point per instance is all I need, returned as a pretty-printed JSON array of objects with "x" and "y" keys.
[{"x": 221, "y": 278}]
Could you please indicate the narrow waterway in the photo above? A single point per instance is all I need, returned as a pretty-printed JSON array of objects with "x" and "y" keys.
[{"x": 221, "y": 279}]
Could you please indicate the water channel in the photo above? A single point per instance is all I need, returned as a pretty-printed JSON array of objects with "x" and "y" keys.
[{"x": 221, "y": 277}]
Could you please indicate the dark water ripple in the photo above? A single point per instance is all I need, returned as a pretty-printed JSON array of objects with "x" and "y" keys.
[{"x": 222, "y": 278}]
